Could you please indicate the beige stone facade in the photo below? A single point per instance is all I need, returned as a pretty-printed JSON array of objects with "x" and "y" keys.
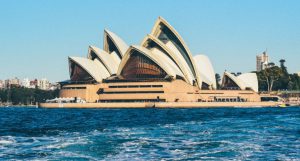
[{"x": 174, "y": 91}]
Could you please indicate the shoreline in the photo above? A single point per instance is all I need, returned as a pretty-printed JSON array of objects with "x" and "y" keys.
[
  {"x": 163, "y": 105},
  {"x": 10, "y": 105}
]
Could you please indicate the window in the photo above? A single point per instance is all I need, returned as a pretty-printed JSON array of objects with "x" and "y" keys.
[
  {"x": 137, "y": 86},
  {"x": 139, "y": 67},
  {"x": 112, "y": 47},
  {"x": 205, "y": 86},
  {"x": 73, "y": 87},
  {"x": 134, "y": 100},
  {"x": 130, "y": 92},
  {"x": 79, "y": 74},
  {"x": 229, "y": 84},
  {"x": 268, "y": 99}
]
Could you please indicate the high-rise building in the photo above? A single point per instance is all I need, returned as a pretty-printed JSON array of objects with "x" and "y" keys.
[
  {"x": 15, "y": 81},
  {"x": 33, "y": 83},
  {"x": 262, "y": 61},
  {"x": 12, "y": 82},
  {"x": 1, "y": 84},
  {"x": 26, "y": 83},
  {"x": 43, "y": 84},
  {"x": 299, "y": 74}
]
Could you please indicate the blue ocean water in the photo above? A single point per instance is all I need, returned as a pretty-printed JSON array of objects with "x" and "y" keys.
[{"x": 150, "y": 134}]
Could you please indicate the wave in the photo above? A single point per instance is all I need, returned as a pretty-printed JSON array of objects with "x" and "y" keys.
[{"x": 206, "y": 134}]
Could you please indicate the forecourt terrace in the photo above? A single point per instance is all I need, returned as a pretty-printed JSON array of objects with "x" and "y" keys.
[{"x": 160, "y": 72}]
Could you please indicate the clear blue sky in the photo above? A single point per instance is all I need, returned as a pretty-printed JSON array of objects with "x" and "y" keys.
[{"x": 37, "y": 36}]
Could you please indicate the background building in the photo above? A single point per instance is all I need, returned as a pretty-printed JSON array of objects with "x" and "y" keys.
[
  {"x": 1, "y": 84},
  {"x": 53, "y": 86},
  {"x": 33, "y": 83},
  {"x": 15, "y": 82},
  {"x": 25, "y": 83},
  {"x": 262, "y": 61},
  {"x": 43, "y": 84}
]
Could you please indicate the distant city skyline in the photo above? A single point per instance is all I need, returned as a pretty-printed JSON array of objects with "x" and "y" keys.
[
  {"x": 43, "y": 83},
  {"x": 38, "y": 36}
]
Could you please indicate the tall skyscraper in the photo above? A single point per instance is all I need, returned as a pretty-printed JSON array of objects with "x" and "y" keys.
[{"x": 262, "y": 61}]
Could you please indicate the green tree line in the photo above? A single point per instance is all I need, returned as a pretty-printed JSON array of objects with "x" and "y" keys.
[
  {"x": 26, "y": 96},
  {"x": 275, "y": 78}
]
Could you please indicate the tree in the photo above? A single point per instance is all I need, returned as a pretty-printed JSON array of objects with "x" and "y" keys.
[
  {"x": 26, "y": 95},
  {"x": 271, "y": 64},
  {"x": 270, "y": 76},
  {"x": 284, "y": 80},
  {"x": 282, "y": 61},
  {"x": 3, "y": 95},
  {"x": 278, "y": 78},
  {"x": 282, "y": 66},
  {"x": 294, "y": 83}
]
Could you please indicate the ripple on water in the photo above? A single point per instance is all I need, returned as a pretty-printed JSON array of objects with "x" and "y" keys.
[{"x": 167, "y": 134}]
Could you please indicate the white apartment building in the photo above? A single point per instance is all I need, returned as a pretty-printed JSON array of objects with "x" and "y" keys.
[
  {"x": 262, "y": 61},
  {"x": 26, "y": 83},
  {"x": 2, "y": 85},
  {"x": 43, "y": 84}
]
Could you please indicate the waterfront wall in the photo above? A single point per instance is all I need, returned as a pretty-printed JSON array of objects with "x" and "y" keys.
[
  {"x": 174, "y": 91},
  {"x": 160, "y": 105}
]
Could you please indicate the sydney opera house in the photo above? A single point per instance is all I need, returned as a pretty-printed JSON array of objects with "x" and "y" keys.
[{"x": 161, "y": 71}]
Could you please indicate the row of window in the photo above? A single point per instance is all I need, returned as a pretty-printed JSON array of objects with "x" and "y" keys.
[
  {"x": 131, "y": 92},
  {"x": 268, "y": 99},
  {"x": 141, "y": 67},
  {"x": 73, "y": 87},
  {"x": 230, "y": 100},
  {"x": 134, "y": 100},
  {"x": 137, "y": 86}
]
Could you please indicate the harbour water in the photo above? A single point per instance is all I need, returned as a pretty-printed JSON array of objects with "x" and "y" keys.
[{"x": 150, "y": 134}]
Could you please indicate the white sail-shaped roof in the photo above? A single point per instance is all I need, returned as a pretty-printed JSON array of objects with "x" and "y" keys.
[
  {"x": 113, "y": 43},
  {"x": 170, "y": 37},
  {"x": 235, "y": 79},
  {"x": 244, "y": 81},
  {"x": 94, "y": 67},
  {"x": 175, "y": 57},
  {"x": 156, "y": 56},
  {"x": 151, "y": 43},
  {"x": 110, "y": 61},
  {"x": 168, "y": 62},
  {"x": 250, "y": 80},
  {"x": 206, "y": 70}
]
